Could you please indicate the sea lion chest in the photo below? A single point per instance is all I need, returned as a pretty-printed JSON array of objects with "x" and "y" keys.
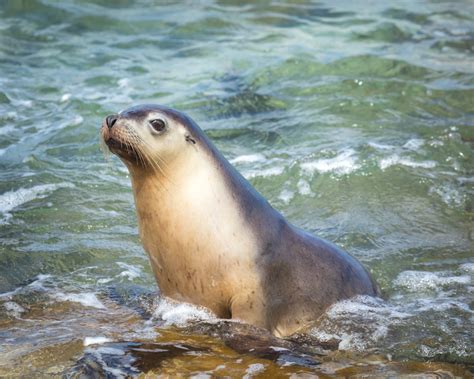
[{"x": 197, "y": 240}]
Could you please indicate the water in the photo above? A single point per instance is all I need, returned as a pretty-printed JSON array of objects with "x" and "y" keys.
[{"x": 355, "y": 121}]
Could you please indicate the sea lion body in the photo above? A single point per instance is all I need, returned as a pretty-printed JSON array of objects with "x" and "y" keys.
[{"x": 213, "y": 240}]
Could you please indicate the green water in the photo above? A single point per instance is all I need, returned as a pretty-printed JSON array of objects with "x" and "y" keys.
[{"x": 355, "y": 120}]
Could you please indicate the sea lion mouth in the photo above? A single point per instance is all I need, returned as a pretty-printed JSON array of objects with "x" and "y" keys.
[
  {"x": 114, "y": 144},
  {"x": 117, "y": 146},
  {"x": 124, "y": 150}
]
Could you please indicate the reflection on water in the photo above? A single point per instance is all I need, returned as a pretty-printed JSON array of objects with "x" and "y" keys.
[{"x": 355, "y": 121}]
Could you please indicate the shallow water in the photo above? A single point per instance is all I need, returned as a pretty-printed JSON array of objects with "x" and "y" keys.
[{"x": 356, "y": 122}]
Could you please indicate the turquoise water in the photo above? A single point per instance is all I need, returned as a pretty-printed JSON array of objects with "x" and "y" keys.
[{"x": 355, "y": 121}]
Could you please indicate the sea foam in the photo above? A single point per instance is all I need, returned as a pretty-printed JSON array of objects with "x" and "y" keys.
[
  {"x": 250, "y": 158},
  {"x": 416, "y": 281},
  {"x": 131, "y": 272},
  {"x": 397, "y": 160},
  {"x": 95, "y": 340},
  {"x": 87, "y": 299},
  {"x": 343, "y": 163},
  {"x": 176, "y": 313}
]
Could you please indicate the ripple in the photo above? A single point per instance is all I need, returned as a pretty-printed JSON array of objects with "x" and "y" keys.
[
  {"x": 263, "y": 172},
  {"x": 344, "y": 163},
  {"x": 131, "y": 272},
  {"x": 386, "y": 32},
  {"x": 358, "y": 324},
  {"x": 415, "y": 281},
  {"x": 13, "y": 199},
  {"x": 87, "y": 299},
  {"x": 449, "y": 194},
  {"x": 249, "y": 158},
  {"x": 395, "y": 160}
]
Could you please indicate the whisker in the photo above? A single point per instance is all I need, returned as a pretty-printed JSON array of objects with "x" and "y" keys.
[
  {"x": 103, "y": 147},
  {"x": 156, "y": 157},
  {"x": 157, "y": 160},
  {"x": 144, "y": 152}
]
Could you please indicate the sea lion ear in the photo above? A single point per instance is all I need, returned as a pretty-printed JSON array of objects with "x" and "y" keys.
[{"x": 188, "y": 138}]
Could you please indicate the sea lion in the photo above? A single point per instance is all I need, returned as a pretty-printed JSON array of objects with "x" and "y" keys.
[{"x": 213, "y": 240}]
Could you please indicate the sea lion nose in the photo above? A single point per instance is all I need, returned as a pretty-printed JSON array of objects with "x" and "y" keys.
[{"x": 110, "y": 120}]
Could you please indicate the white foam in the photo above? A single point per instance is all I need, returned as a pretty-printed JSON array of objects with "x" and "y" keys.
[
  {"x": 364, "y": 305},
  {"x": 24, "y": 103},
  {"x": 148, "y": 332},
  {"x": 357, "y": 323},
  {"x": 176, "y": 313},
  {"x": 468, "y": 267},
  {"x": 380, "y": 146},
  {"x": 9, "y": 294},
  {"x": 414, "y": 144},
  {"x": 278, "y": 348},
  {"x": 363, "y": 323},
  {"x": 87, "y": 299},
  {"x": 124, "y": 82},
  {"x": 464, "y": 180},
  {"x": 110, "y": 351},
  {"x": 65, "y": 97},
  {"x": 415, "y": 281},
  {"x": 109, "y": 212},
  {"x": 397, "y": 160},
  {"x": 344, "y": 163},
  {"x": 131, "y": 272},
  {"x": 303, "y": 187},
  {"x": 13, "y": 199},
  {"x": 112, "y": 372},
  {"x": 8, "y": 129},
  {"x": 36, "y": 285},
  {"x": 13, "y": 309},
  {"x": 435, "y": 143},
  {"x": 250, "y": 158},
  {"x": 271, "y": 171},
  {"x": 104, "y": 280},
  {"x": 424, "y": 305},
  {"x": 96, "y": 340},
  {"x": 449, "y": 195},
  {"x": 10, "y": 115},
  {"x": 254, "y": 369},
  {"x": 286, "y": 195},
  {"x": 77, "y": 120}
]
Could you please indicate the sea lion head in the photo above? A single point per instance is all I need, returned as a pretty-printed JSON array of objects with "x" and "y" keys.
[{"x": 146, "y": 136}]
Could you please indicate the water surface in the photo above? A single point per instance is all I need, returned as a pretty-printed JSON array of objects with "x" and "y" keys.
[{"x": 355, "y": 121}]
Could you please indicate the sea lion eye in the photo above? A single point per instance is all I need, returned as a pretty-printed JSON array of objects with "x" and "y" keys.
[{"x": 158, "y": 125}]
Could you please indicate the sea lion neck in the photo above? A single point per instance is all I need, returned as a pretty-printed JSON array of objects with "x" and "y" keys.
[
  {"x": 193, "y": 221},
  {"x": 161, "y": 178}
]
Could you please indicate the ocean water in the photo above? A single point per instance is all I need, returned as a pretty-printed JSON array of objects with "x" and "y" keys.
[{"x": 354, "y": 119}]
